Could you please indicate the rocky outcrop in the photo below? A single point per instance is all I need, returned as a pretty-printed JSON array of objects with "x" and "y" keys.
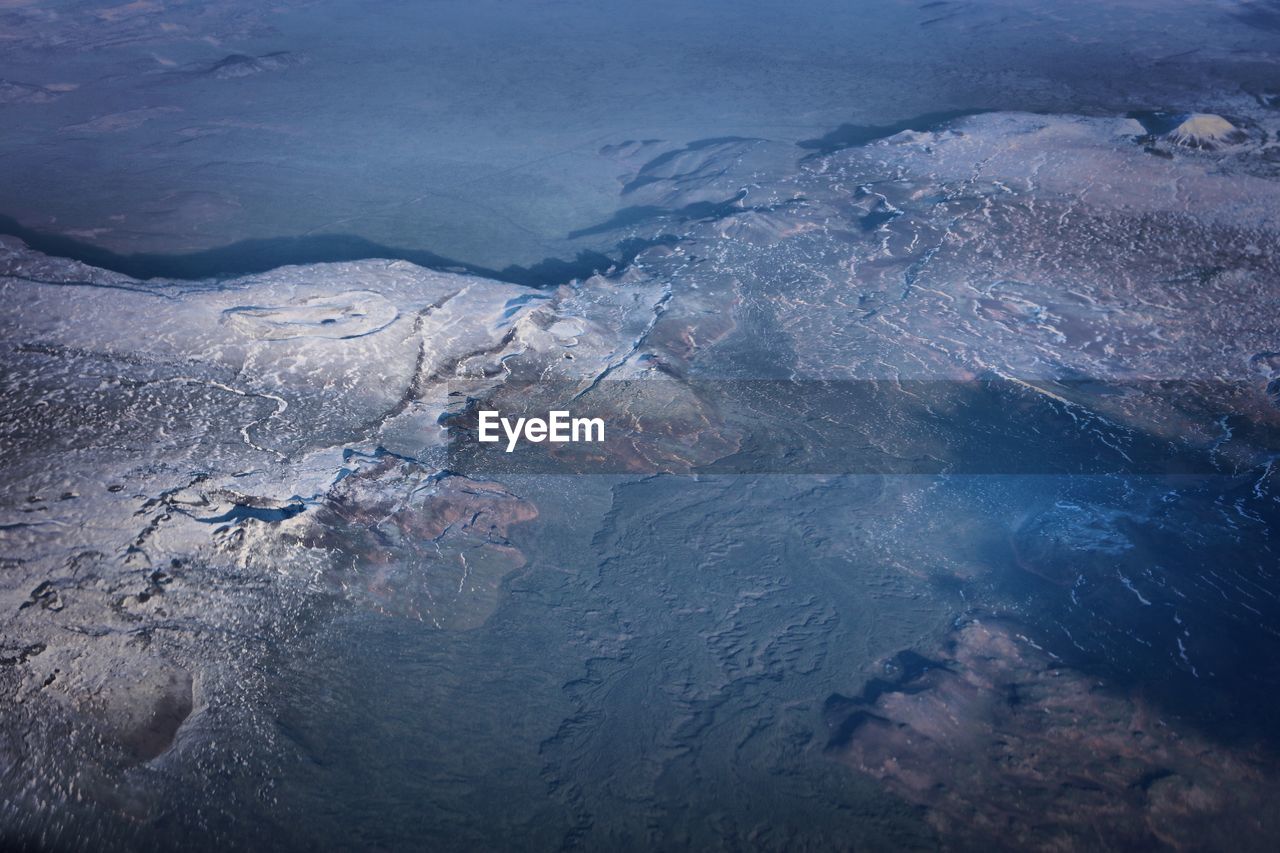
[{"x": 1005, "y": 748}]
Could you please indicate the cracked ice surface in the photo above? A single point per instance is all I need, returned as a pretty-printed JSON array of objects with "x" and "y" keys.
[{"x": 189, "y": 465}]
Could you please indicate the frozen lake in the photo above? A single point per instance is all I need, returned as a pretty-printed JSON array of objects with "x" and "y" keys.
[{"x": 482, "y": 132}]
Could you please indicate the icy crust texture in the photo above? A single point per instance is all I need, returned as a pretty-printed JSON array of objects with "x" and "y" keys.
[
  {"x": 1030, "y": 245},
  {"x": 196, "y": 473},
  {"x": 191, "y": 469}
]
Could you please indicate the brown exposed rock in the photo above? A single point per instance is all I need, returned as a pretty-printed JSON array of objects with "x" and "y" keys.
[
  {"x": 1004, "y": 748},
  {"x": 433, "y": 549}
]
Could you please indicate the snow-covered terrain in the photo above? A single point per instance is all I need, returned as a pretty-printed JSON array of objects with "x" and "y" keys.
[{"x": 245, "y": 576}]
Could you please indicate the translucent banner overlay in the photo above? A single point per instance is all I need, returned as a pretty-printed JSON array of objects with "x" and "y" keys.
[{"x": 983, "y": 426}]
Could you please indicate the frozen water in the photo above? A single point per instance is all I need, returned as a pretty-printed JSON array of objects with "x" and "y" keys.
[{"x": 485, "y": 132}]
